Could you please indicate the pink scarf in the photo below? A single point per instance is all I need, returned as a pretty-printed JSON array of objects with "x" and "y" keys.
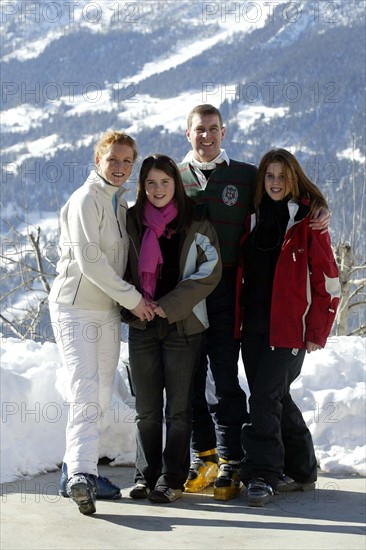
[{"x": 151, "y": 259}]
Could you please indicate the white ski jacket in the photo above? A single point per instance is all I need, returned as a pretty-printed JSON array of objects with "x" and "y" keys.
[{"x": 94, "y": 250}]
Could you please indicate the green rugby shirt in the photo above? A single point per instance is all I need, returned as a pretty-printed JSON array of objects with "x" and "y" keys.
[{"x": 227, "y": 199}]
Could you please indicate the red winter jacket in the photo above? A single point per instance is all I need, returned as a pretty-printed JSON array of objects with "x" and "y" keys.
[{"x": 306, "y": 289}]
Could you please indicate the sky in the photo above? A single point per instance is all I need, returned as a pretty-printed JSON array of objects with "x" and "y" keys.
[{"x": 330, "y": 393}]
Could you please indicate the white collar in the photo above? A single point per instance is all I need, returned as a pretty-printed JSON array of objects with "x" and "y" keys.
[
  {"x": 199, "y": 166},
  {"x": 211, "y": 165},
  {"x": 292, "y": 209}
]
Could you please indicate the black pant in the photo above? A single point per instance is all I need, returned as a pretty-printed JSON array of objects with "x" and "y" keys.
[
  {"x": 276, "y": 440},
  {"x": 228, "y": 409},
  {"x": 162, "y": 366}
]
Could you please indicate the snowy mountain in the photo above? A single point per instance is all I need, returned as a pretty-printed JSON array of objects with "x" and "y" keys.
[{"x": 284, "y": 74}]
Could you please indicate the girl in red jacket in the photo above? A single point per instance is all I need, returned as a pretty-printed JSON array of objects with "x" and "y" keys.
[{"x": 289, "y": 296}]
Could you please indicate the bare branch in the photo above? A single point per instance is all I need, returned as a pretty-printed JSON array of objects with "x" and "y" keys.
[
  {"x": 12, "y": 290},
  {"x": 357, "y": 283},
  {"x": 36, "y": 317},
  {"x": 19, "y": 262},
  {"x": 26, "y": 267},
  {"x": 356, "y": 305},
  {"x": 38, "y": 256},
  {"x": 356, "y": 267},
  {"x": 26, "y": 272},
  {"x": 359, "y": 331},
  {"x": 11, "y": 326},
  {"x": 354, "y": 196}
]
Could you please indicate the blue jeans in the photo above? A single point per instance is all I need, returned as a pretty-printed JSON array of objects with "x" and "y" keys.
[{"x": 161, "y": 360}]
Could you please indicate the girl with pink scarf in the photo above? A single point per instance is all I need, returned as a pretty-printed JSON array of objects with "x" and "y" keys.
[{"x": 174, "y": 260}]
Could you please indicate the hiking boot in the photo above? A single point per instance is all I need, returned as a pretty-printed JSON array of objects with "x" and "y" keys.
[
  {"x": 259, "y": 492},
  {"x": 164, "y": 494},
  {"x": 202, "y": 471},
  {"x": 288, "y": 485},
  {"x": 106, "y": 490},
  {"x": 139, "y": 491},
  {"x": 228, "y": 484},
  {"x": 82, "y": 489}
]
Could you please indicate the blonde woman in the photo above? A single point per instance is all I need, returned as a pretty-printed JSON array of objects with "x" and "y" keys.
[{"x": 85, "y": 303}]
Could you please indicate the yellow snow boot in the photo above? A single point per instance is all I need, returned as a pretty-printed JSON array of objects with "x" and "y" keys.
[
  {"x": 202, "y": 471},
  {"x": 228, "y": 484}
]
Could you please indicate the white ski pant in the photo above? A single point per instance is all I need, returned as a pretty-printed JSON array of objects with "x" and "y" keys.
[{"x": 89, "y": 342}]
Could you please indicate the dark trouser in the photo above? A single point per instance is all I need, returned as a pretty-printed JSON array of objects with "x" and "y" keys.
[
  {"x": 229, "y": 411},
  {"x": 276, "y": 440},
  {"x": 161, "y": 359}
]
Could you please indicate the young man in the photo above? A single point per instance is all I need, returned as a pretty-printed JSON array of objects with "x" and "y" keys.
[{"x": 223, "y": 188}]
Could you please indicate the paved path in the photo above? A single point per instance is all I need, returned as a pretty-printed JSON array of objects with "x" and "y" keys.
[{"x": 34, "y": 517}]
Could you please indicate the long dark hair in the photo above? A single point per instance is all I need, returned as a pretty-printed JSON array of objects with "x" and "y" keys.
[
  {"x": 184, "y": 204},
  {"x": 297, "y": 181}
]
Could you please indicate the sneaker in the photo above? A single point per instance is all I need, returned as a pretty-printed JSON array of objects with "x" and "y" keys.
[
  {"x": 228, "y": 484},
  {"x": 288, "y": 485},
  {"x": 82, "y": 489},
  {"x": 106, "y": 490},
  {"x": 139, "y": 491},
  {"x": 202, "y": 471},
  {"x": 164, "y": 494},
  {"x": 259, "y": 492}
]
